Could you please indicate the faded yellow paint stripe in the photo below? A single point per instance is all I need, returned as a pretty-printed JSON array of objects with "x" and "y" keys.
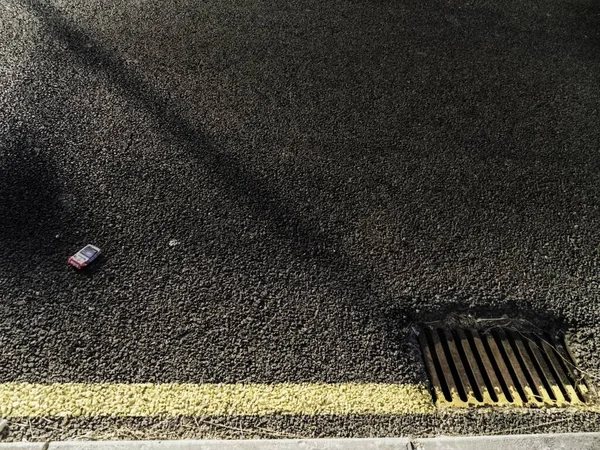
[{"x": 174, "y": 399}]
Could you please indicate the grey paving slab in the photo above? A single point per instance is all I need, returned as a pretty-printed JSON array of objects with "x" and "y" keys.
[
  {"x": 559, "y": 441},
  {"x": 258, "y": 444},
  {"x": 22, "y": 446},
  {"x": 574, "y": 441}
]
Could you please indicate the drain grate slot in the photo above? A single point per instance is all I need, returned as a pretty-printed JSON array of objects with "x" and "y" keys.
[
  {"x": 458, "y": 371},
  {"x": 475, "y": 378},
  {"x": 468, "y": 367},
  {"x": 442, "y": 390},
  {"x": 474, "y": 352}
]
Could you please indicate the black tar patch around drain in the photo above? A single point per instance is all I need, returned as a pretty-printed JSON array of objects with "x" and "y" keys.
[{"x": 501, "y": 367}]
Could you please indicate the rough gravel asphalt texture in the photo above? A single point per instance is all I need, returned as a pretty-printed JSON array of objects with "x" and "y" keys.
[{"x": 282, "y": 189}]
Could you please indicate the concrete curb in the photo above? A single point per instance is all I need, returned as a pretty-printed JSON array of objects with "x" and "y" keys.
[
  {"x": 579, "y": 441},
  {"x": 574, "y": 441},
  {"x": 253, "y": 444}
]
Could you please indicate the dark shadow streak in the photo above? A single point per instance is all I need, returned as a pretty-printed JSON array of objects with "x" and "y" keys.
[
  {"x": 31, "y": 213},
  {"x": 308, "y": 242}
]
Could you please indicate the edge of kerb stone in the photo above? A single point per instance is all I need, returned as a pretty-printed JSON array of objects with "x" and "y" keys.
[
  {"x": 580, "y": 441},
  {"x": 251, "y": 444},
  {"x": 23, "y": 446}
]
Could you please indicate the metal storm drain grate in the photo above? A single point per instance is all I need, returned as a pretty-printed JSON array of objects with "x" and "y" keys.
[{"x": 503, "y": 367}]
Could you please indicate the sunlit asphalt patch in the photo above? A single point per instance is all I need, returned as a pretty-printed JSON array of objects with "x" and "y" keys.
[{"x": 151, "y": 400}]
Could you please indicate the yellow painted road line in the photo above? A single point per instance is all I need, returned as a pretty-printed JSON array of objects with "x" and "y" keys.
[{"x": 174, "y": 399}]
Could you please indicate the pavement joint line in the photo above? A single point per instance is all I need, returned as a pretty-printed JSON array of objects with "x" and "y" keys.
[{"x": 180, "y": 399}]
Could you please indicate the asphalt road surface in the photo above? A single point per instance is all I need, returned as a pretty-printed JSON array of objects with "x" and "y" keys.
[{"x": 281, "y": 190}]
